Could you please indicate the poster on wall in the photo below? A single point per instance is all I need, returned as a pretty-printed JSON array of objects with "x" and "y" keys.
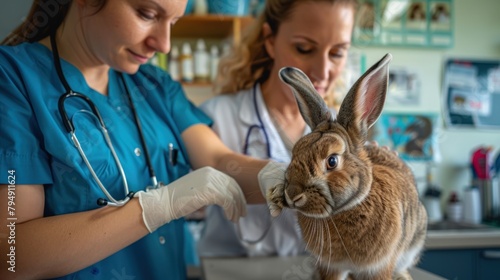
[
  {"x": 416, "y": 23},
  {"x": 413, "y": 136},
  {"x": 471, "y": 92},
  {"x": 403, "y": 88}
]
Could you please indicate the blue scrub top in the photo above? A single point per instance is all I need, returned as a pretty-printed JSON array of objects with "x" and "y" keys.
[{"x": 36, "y": 145}]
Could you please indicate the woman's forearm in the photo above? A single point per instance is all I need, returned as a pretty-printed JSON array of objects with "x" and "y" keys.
[
  {"x": 55, "y": 246},
  {"x": 212, "y": 152},
  {"x": 244, "y": 170}
]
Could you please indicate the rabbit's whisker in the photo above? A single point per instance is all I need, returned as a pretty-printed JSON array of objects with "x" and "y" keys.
[
  {"x": 322, "y": 233},
  {"x": 319, "y": 230},
  {"x": 342, "y": 241},
  {"x": 330, "y": 247},
  {"x": 321, "y": 226},
  {"x": 310, "y": 226}
]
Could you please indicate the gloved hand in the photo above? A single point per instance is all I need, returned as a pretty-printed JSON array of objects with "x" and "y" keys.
[
  {"x": 272, "y": 175},
  {"x": 189, "y": 193}
]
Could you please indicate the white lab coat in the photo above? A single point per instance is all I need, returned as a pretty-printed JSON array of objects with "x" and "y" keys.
[{"x": 233, "y": 115}]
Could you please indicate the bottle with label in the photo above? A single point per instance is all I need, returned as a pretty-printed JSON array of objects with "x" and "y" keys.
[
  {"x": 173, "y": 64},
  {"x": 214, "y": 62},
  {"x": 186, "y": 61},
  {"x": 431, "y": 199},
  {"x": 454, "y": 210},
  {"x": 201, "y": 62}
]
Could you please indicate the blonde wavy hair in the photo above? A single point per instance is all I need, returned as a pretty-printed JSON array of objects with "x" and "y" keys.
[{"x": 248, "y": 61}]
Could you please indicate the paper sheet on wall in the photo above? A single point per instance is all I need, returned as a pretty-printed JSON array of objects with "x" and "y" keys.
[{"x": 471, "y": 91}]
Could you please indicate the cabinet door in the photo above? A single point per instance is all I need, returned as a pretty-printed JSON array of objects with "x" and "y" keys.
[
  {"x": 450, "y": 264},
  {"x": 488, "y": 265}
]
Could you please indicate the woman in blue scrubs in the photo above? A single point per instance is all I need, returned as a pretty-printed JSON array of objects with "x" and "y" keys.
[{"x": 56, "y": 228}]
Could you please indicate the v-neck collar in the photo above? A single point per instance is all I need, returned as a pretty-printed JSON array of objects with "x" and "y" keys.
[{"x": 75, "y": 77}]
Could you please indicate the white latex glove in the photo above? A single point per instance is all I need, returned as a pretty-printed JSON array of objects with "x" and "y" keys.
[
  {"x": 272, "y": 175},
  {"x": 189, "y": 193}
]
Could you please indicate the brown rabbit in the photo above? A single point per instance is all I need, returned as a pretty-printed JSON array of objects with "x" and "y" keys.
[{"x": 358, "y": 205}]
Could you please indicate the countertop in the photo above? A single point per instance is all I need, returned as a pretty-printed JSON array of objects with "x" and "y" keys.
[
  {"x": 273, "y": 268},
  {"x": 301, "y": 267},
  {"x": 462, "y": 239}
]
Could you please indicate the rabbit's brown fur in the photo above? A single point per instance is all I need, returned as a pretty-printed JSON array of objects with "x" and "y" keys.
[{"x": 358, "y": 206}]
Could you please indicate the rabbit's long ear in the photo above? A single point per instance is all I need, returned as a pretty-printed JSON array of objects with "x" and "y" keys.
[
  {"x": 312, "y": 107},
  {"x": 363, "y": 104}
]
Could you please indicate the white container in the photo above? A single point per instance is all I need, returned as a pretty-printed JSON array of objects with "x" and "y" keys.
[
  {"x": 214, "y": 62},
  {"x": 433, "y": 207},
  {"x": 472, "y": 206},
  {"x": 201, "y": 62},
  {"x": 454, "y": 212},
  {"x": 187, "y": 65},
  {"x": 173, "y": 64}
]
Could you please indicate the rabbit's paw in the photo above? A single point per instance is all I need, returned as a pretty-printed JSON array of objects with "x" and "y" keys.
[{"x": 276, "y": 199}]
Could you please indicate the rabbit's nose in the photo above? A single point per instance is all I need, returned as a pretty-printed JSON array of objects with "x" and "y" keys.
[
  {"x": 295, "y": 197},
  {"x": 300, "y": 200}
]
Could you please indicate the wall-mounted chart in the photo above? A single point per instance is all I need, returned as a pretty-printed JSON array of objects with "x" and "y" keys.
[
  {"x": 413, "y": 136},
  {"x": 415, "y": 23},
  {"x": 471, "y": 92}
]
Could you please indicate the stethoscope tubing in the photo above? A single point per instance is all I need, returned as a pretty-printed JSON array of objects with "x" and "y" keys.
[
  {"x": 258, "y": 126},
  {"x": 261, "y": 126},
  {"x": 111, "y": 200},
  {"x": 68, "y": 124}
]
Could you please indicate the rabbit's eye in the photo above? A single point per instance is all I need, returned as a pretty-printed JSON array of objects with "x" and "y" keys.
[{"x": 332, "y": 162}]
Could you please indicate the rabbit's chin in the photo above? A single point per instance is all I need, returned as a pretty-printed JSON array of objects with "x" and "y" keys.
[
  {"x": 324, "y": 206},
  {"x": 321, "y": 215},
  {"x": 317, "y": 198},
  {"x": 328, "y": 212}
]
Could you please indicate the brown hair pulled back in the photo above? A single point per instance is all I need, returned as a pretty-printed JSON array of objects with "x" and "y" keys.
[{"x": 43, "y": 17}]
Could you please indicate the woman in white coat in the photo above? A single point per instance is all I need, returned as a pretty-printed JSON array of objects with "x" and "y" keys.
[{"x": 261, "y": 118}]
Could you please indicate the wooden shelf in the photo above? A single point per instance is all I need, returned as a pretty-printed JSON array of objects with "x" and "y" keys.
[
  {"x": 197, "y": 84},
  {"x": 211, "y": 26}
]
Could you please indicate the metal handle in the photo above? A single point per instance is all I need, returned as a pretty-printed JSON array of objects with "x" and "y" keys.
[{"x": 491, "y": 254}]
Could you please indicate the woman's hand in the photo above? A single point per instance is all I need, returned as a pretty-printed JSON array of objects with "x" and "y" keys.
[
  {"x": 202, "y": 187},
  {"x": 271, "y": 181}
]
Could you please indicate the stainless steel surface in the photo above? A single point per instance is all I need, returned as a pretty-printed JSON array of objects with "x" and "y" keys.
[
  {"x": 454, "y": 226},
  {"x": 450, "y": 235},
  {"x": 272, "y": 268},
  {"x": 490, "y": 198}
]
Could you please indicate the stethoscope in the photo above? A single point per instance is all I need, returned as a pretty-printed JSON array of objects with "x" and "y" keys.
[
  {"x": 68, "y": 124},
  {"x": 259, "y": 126}
]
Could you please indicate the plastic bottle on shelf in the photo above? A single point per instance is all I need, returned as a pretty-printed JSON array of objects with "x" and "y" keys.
[
  {"x": 201, "y": 62},
  {"x": 214, "y": 62},
  {"x": 432, "y": 200},
  {"x": 173, "y": 64},
  {"x": 186, "y": 61},
  {"x": 454, "y": 210},
  {"x": 226, "y": 49}
]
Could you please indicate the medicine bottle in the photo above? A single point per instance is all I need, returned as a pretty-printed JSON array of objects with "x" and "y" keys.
[
  {"x": 214, "y": 62},
  {"x": 201, "y": 62},
  {"x": 173, "y": 64},
  {"x": 187, "y": 66},
  {"x": 454, "y": 209}
]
